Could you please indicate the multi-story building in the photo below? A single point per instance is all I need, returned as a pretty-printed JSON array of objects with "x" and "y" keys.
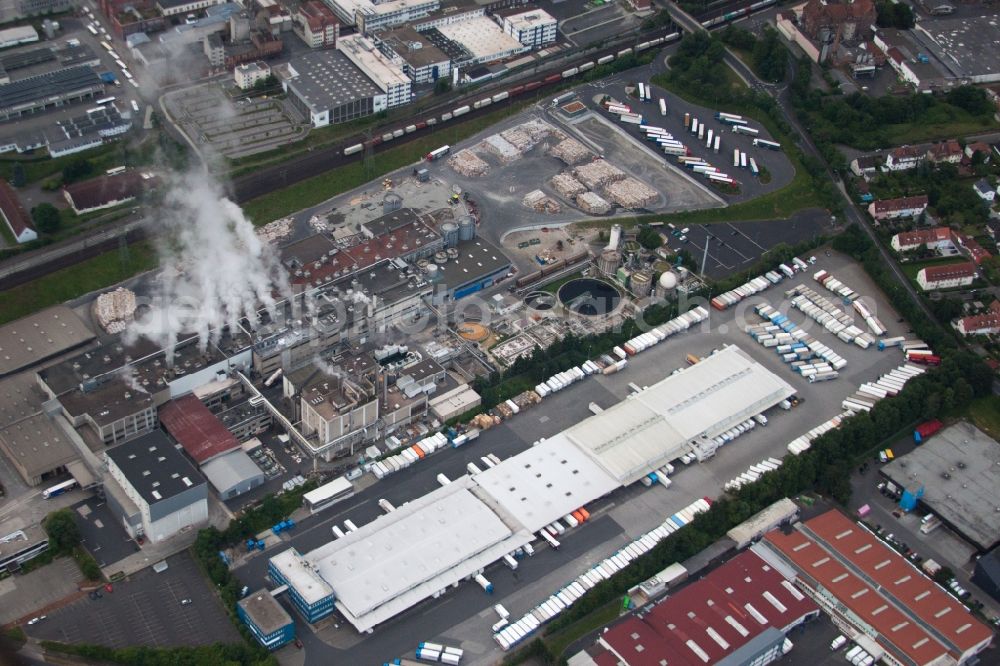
[
  {"x": 945, "y": 152},
  {"x": 894, "y": 209},
  {"x": 338, "y": 410},
  {"x": 852, "y": 21},
  {"x": 20, "y": 545},
  {"x": 987, "y": 323},
  {"x": 327, "y": 88},
  {"x": 250, "y": 74},
  {"x": 316, "y": 25},
  {"x": 933, "y": 239},
  {"x": 266, "y": 619},
  {"x": 310, "y": 594},
  {"x": 948, "y": 276},
  {"x": 420, "y": 59},
  {"x": 215, "y": 50},
  {"x": 534, "y": 28},
  {"x": 112, "y": 410},
  {"x": 37, "y": 447},
  {"x": 387, "y": 76},
  {"x": 179, "y": 7},
  {"x": 903, "y": 158},
  {"x": 11, "y": 10},
  {"x": 153, "y": 488},
  {"x": 371, "y": 16}
]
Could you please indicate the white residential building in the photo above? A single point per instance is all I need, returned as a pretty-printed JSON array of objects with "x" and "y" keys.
[
  {"x": 386, "y": 75},
  {"x": 248, "y": 75},
  {"x": 948, "y": 276},
  {"x": 534, "y": 28}
]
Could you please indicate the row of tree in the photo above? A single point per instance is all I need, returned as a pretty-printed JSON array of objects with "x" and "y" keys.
[{"x": 768, "y": 56}]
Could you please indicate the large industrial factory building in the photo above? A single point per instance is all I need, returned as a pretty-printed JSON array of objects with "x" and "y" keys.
[{"x": 458, "y": 529}]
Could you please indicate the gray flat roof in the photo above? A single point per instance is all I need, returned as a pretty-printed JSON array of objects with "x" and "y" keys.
[
  {"x": 230, "y": 470},
  {"x": 476, "y": 258},
  {"x": 959, "y": 470},
  {"x": 546, "y": 482},
  {"x": 60, "y": 83},
  {"x": 660, "y": 423},
  {"x": 410, "y": 554},
  {"x": 971, "y": 46},
  {"x": 328, "y": 79},
  {"x": 265, "y": 611},
  {"x": 400, "y": 41},
  {"x": 155, "y": 467},
  {"x": 40, "y": 336},
  {"x": 20, "y": 397},
  {"x": 37, "y": 444}
]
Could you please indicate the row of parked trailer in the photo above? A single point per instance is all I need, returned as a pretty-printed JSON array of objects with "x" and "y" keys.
[
  {"x": 420, "y": 450},
  {"x": 508, "y": 633},
  {"x": 438, "y": 653},
  {"x": 753, "y": 473},
  {"x": 656, "y": 335},
  {"x": 561, "y": 380},
  {"x": 887, "y": 385},
  {"x": 795, "y": 346},
  {"x": 830, "y": 316},
  {"x": 836, "y": 286},
  {"x": 803, "y": 442},
  {"x": 759, "y": 284}
]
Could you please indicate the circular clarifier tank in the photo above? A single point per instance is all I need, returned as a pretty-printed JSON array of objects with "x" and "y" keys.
[
  {"x": 589, "y": 297},
  {"x": 540, "y": 300}
]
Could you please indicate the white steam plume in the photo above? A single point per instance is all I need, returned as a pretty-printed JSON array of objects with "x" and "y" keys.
[{"x": 216, "y": 270}]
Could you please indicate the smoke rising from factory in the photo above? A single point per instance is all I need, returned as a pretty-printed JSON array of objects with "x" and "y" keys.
[{"x": 216, "y": 270}]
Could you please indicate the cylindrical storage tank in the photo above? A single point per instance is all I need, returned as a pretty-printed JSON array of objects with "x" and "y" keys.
[
  {"x": 466, "y": 228},
  {"x": 432, "y": 271},
  {"x": 449, "y": 231},
  {"x": 608, "y": 262},
  {"x": 422, "y": 265},
  {"x": 452, "y": 253},
  {"x": 642, "y": 283},
  {"x": 391, "y": 202},
  {"x": 667, "y": 284},
  {"x": 441, "y": 257},
  {"x": 681, "y": 273}
]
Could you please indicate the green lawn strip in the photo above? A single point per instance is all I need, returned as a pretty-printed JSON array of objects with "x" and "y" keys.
[
  {"x": 562, "y": 639},
  {"x": 319, "y": 188},
  {"x": 97, "y": 273},
  {"x": 985, "y": 413},
  {"x": 912, "y": 268},
  {"x": 907, "y": 133}
]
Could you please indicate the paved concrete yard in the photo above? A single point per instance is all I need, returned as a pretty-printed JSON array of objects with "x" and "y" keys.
[
  {"x": 21, "y": 596},
  {"x": 234, "y": 129},
  {"x": 145, "y": 610}
]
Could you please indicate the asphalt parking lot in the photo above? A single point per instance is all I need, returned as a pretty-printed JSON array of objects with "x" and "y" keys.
[
  {"x": 736, "y": 246},
  {"x": 103, "y": 534},
  {"x": 145, "y": 610},
  {"x": 463, "y": 617}
]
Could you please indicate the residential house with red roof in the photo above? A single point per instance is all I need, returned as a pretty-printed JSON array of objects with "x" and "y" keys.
[
  {"x": 933, "y": 239},
  {"x": 987, "y": 323},
  {"x": 949, "y": 152},
  {"x": 14, "y": 215},
  {"x": 904, "y": 157},
  {"x": 894, "y": 209},
  {"x": 947, "y": 276}
]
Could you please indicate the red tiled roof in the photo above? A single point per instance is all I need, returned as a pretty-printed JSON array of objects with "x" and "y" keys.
[
  {"x": 948, "y": 271},
  {"x": 815, "y": 551},
  {"x": 923, "y": 236},
  {"x": 989, "y": 321},
  {"x": 972, "y": 246},
  {"x": 904, "y": 151},
  {"x": 317, "y": 15},
  {"x": 197, "y": 429},
  {"x": 903, "y": 203},
  {"x": 715, "y": 615},
  {"x": 945, "y": 149},
  {"x": 13, "y": 209},
  {"x": 105, "y": 190},
  {"x": 401, "y": 241}
]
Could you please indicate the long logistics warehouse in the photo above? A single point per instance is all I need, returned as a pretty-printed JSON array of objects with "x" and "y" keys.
[{"x": 456, "y": 531}]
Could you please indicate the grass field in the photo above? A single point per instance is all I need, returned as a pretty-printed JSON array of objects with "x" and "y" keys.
[
  {"x": 907, "y": 133},
  {"x": 561, "y": 640},
  {"x": 985, "y": 413},
  {"x": 319, "y": 188},
  {"x": 102, "y": 271}
]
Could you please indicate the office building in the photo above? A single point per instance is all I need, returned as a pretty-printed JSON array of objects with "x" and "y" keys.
[
  {"x": 387, "y": 76},
  {"x": 535, "y": 28},
  {"x": 266, "y": 619}
]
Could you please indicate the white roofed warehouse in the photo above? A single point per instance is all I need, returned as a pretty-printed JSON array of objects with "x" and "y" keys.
[{"x": 453, "y": 533}]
